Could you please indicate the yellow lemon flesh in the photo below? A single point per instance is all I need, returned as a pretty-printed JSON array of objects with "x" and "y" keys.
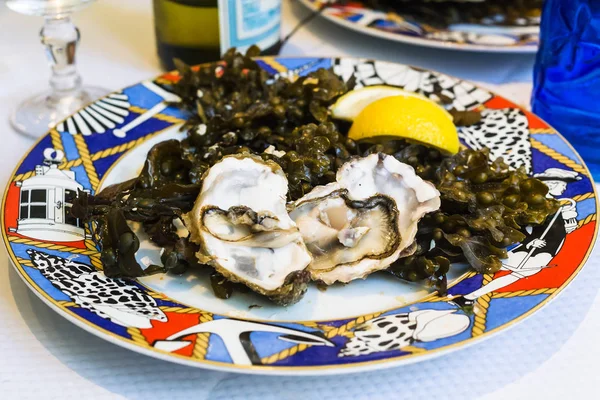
[
  {"x": 352, "y": 103},
  {"x": 407, "y": 117}
]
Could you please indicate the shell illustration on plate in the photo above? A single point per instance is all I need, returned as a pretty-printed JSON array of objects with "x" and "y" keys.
[
  {"x": 99, "y": 117},
  {"x": 397, "y": 331},
  {"x": 505, "y": 132},
  {"x": 110, "y": 113},
  {"x": 464, "y": 95},
  {"x": 118, "y": 300}
]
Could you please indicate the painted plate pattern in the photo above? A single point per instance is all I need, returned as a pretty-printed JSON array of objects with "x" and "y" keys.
[
  {"x": 56, "y": 256},
  {"x": 359, "y": 17}
]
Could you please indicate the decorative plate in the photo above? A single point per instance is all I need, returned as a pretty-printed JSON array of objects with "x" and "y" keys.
[
  {"x": 472, "y": 37},
  {"x": 179, "y": 319}
]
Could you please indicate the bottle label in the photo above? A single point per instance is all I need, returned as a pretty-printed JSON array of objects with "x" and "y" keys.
[{"x": 247, "y": 22}]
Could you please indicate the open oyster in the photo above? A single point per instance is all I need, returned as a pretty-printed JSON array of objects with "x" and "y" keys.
[
  {"x": 366, "y": 220},
  {"x": 244, "y": 231}
]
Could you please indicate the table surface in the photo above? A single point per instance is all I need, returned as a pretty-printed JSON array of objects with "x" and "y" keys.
[{"x": 551, "y": 355}]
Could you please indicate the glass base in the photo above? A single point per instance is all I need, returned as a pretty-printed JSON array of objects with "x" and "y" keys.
[{"x": 38, "y": 114}]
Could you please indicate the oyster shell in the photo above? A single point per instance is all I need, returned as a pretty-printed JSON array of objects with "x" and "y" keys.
[
  {"x": 338, "y": 230},
  {"x": 241, "y": 223},
  {"x": 366, "y": 220}
]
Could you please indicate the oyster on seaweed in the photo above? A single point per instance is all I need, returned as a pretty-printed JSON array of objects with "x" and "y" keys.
[
  {"x": 365, "y": 220},
  {"x": 244, "y": 231}
]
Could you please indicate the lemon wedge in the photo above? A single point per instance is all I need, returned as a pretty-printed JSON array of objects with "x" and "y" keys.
[
  {"x": 352, "y": 103},
  {"x": 413, "y": 118}
]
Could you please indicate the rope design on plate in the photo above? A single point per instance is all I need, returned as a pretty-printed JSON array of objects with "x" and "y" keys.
[
  {"x": 157, "y": 295},
  {"x": 339, "y": 331},
  {"x": 65, "y": 303},
  {"x": 273, "y": 63},
  {"x": 56, "y": 141},
  {"x": 414, "y": 349},
  {"x": 179, "y": 310},
  {"x": 26, "y": 175},
  {"x": 160, "y": 117},
  {"x": 51, "y": 246},
  {"x": 94, "y": 232},
  {"x": 542, "y": 131},
  {"x": 122, "y": 147},
  {"x": 86, "y": 159},
  {"x": 137, "y": 337},
  {"x": 64, "y": 165},
  {"x": 587, "y": 220},
  {"x": 557, "y": 156},
  {"x": 481, "y": 308},
  {"x": 581, "y": 197},
  {"x": 520, "y": 293},
  {"x": 25, "y": 262},
  {"x": 94, "y": 258},
  {"x": 94, "y": 157},
  {"x": 316, "y": 325},
  {"x": 471, "y": 274},
  {"x": 327, "y": 328},
  {"x": 202, "y": 339}
]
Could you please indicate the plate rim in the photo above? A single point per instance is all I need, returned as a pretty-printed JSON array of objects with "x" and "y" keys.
[
  {"x": 306, "y": 370},
  {"x": 418, "y": 41}
]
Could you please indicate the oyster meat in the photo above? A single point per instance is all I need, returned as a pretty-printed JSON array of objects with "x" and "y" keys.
[
  {"x": 244, "y": 231},
  {"x": 365, "y": 220}
]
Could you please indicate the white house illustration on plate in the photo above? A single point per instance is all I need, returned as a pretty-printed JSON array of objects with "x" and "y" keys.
[{"x": 45, "y": 202}]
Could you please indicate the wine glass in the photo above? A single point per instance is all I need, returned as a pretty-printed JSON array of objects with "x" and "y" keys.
[{"x": 36, "y": 115}]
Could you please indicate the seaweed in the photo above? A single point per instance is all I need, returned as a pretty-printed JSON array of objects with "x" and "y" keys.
[
  {"x": 485, "y": 206},
  {"x": 237, "y": 107}
]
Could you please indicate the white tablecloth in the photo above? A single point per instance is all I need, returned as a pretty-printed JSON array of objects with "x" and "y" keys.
[{"x": 552, "y": 355}]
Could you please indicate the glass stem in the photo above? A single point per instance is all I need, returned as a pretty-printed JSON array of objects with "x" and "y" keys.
[{"x": 61, "y": 36}]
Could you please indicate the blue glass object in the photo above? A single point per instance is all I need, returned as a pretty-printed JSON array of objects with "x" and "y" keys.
[{"x": 567, "y": 75}]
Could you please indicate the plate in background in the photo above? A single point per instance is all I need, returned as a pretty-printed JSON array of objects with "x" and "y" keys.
[{"x": 469, "y": 37}]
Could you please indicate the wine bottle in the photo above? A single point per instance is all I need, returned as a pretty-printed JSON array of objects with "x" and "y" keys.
[{"x": 198, "y": 31}]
